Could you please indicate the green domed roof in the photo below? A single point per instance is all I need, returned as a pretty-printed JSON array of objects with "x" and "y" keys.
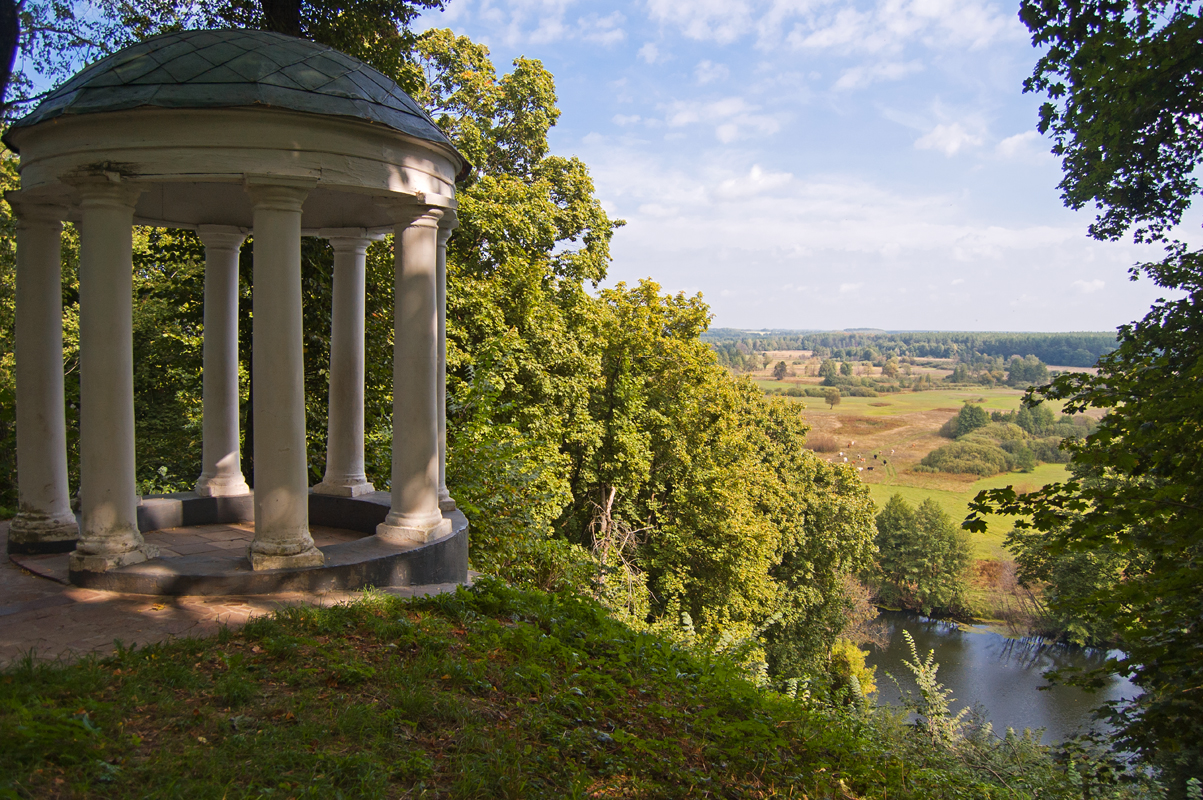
[{"x": 233, "y": 68}]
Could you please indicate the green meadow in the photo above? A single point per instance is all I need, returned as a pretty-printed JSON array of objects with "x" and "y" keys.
[{"x": 956, "y": 503}]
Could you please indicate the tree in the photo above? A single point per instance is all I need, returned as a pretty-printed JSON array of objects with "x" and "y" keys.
[
  {"x": 832, "y": 396},
  {"x": 922, "y": 557},
  {"x": 828, "y": 369},
  {"x": 1036, "y": 419},
  {"x": 1123, "y": 81},
  {"x": 846, "y": 369},
  {"x": 1029, "y": 371},
  {"x": 779, "y": 371},
  {"x": 970, "y": 418}
]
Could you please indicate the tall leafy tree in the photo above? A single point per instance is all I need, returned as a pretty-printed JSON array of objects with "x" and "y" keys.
[
  {"x": 922, "y": 557},
  {"x": 1123, "y": 81}
]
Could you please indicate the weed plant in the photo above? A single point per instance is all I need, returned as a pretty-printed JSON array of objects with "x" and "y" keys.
[{"x": 491, "y": 692}]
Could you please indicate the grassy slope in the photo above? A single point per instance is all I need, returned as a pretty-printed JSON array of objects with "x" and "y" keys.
[{"x": 489, "y": 693}]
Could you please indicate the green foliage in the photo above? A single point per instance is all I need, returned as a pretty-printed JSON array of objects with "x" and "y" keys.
[
  {"x": 931, "y": 708},
  {"x": 969, "y": 418},
  {"x": 1122, "y": 77},
  {"x": 832, "y": 396},
  {"x": 1121, "y": 80},
  {"x": 1027, "y": 371},
  {"x": 921, "y": 558},
  {"x": 848, "y": 671},
  {"x": 845, "y": 368},
  {"x": 968, "y": 457},
  {"x": 779, "y": 370}
]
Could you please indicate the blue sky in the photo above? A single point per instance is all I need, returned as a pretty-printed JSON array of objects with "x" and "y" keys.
[{"x": 821, "y": 163}]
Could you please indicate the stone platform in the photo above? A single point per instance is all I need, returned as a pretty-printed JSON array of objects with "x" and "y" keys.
[
  {"x": 42, "y": 618},
  {"x": 203, "y": 545}
]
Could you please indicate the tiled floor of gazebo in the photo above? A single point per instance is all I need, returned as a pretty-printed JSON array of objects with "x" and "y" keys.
[{"x": 227, "y": 542}]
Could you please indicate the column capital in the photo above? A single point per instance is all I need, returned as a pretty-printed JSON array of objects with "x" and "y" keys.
[
  {"x": 447, "y": 225},
  {"x": 349, "y": 240},
  {"x": 106, "y": 191},
  {"x": 281, "y": 194},
  {"x": 221, "y": 237},
  {"x": 35, "y": 211},
  {"x": 412, "y": 212}
]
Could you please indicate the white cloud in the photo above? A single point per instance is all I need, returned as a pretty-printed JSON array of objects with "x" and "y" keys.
[
  {"x": 1089, "y": 287},
  {"x": 1027, "y": 146},
  {"x": 733, "y": 117},
  {"x": 948, "y": 139},
  {"x": 757, "y": 181},
  {"x": 866, "y": 74},
  {"x": 846, "y": 288},
  {"x": 603, "y": 30},
  {"x": 626, "y": 119},
  {"x": 722, "y": 21},
  {"x": 892, "y": 24},
  {"x": 709, "y": 72},
  {"x": 650, "y": 53}
]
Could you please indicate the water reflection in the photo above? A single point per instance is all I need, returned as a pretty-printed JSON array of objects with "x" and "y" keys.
[{"x": 1004, "y": 675}]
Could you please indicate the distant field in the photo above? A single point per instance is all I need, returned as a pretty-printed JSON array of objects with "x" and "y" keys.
[
  {"x": 956, "y": 502},
  {"x": 896, "y": 403}
]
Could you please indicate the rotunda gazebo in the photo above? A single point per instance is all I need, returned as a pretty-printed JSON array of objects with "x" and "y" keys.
[{"x": 227, "y": 133}]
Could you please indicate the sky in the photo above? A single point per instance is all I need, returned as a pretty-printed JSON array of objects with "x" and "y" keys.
[{"x": 821, "y": 164}]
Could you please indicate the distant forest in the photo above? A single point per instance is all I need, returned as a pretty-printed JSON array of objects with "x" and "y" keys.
[{"x": 738, "y": 349}]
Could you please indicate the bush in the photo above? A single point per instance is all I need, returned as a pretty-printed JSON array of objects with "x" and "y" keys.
[
  {"x": 822, "y": 442},
  {"x": 848, "y": 663},
  {"x": 860, "y": 391},
  {"x": 971, "y": 458},
  {"x": 1002, "y": 432},
  {"x": 1049, "y": 450},
  {"x": 1022, "y": 457},
  {"x": 969, "y": 419}
]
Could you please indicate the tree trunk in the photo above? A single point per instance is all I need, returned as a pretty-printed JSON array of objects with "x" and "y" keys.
[
  {"x": 282, "y": 16},
  {"x": 9, "y": 38}
]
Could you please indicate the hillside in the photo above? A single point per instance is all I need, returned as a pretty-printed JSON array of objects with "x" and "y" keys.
[{"x": 490, "y": 692}]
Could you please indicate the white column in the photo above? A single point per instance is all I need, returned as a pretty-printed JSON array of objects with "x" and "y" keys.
[
  {"x": 282, "y": 539},
  {"x": 44, "y": 521},
  {"x": 221, "y": 462},
  {"x": 109, "y": 534},
  {"x": 344, "y": 443},
  {"x": 447, "y": 224},
  {"x": 415, "y": 516}
]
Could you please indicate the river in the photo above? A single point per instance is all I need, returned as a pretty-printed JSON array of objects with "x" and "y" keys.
[{"x": 1004, "y": 675}]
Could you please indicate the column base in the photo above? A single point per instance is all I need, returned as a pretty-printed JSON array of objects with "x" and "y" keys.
[
  {"x": 222, "y": 487},
  {"x": 32, "y": 533},
  {"x": 446, "y": 503},
  {"x": 312, "y": 557},
  {"x": 403, "y": 531},
  {"x": 356, "y": 489},
  {"x": 103, "y": 562}
]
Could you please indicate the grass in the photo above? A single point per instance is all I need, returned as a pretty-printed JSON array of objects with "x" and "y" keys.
[
  {"x": 995, "y": 399},
  {"x": 485, "y": 693},
  {"x": 956, "y": 501}
]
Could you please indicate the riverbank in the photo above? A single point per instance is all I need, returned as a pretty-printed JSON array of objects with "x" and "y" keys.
[{"x": 489, "y": 692}]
